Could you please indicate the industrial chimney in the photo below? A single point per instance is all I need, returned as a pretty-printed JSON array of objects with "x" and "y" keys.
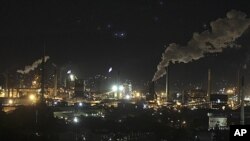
[
  {"x": 242, "y": 112},
  {"x": 238, "y": 90},
  {"x": 55, "y": 82},
  {"x": 209, "y": 86},
  {"x": 151, "y": 91},
  {"x": 167, "y": 83},
  {"x": 43, "y": 76}
]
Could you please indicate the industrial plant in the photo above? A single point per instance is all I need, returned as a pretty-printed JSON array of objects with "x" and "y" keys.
[{"x": 123, "y": 71}]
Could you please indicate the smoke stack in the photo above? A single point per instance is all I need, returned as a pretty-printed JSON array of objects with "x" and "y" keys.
[
  {"x": 84, "y": 85},
  {"x": 209, "y": 86},
  {"x": 55, "y": 82},
  {"x": 33, "y": 66},
  {"x": 223, "y": 34},
  {"x": 151, "y": 91},
  {"x": 167, "y": 83},
  {"x": 43, "y": 75},
  {"x": 242, "y": 112},
  {"x": 238, "y": 87},
  {"x": 183, "y": 97},
  {"x": 6, "y": 77}
]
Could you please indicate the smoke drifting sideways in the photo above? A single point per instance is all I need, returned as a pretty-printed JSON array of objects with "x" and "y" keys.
[
  {"x": 34, "y": 65},
  {"x": 223, "y": 34}
]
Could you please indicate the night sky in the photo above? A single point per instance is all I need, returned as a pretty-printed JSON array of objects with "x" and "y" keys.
[{"x": 129, "y": 36}]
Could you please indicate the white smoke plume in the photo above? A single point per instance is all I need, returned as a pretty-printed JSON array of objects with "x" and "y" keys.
[
  {"x": 224, "y": 31},
  {"x": 34, "y": 65}
]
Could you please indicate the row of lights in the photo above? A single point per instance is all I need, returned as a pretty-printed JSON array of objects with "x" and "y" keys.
[
  {"x": 32, "y": 98},
  {"x": 120, "y": 88},
  {"x": 116, "y": 88}
]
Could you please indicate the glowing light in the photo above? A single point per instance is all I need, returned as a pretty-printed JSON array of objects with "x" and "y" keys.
[
  {"x": 72, "y": 77},
  {"x": 80, "y": 104},
  {"x": 10, "y": 101},
  {"x": 230, "y": 91},
  {"x": 39, "y": 90},
  {"x": 75, "y": 120},
  {"x": 120, "y": 34},
  {"x": 110, "y": 69},
  {"x": 178, "y": 103},
  {"x": 218, "y": 101},
  {"x": 2, "y": 94},
  {"x": 121, "y": 88},
  {"x": 137, "y": 94},
  {"x": 32, "y": 97},
  {"x": 194, "y": 108},
  {"x": 127, "y": 96},
  {"x": 114, "y": 88},
  {"x": 69, "y": 72},
  {"x": 158, "y": 102},
  {"x": 34, "y": 82}
]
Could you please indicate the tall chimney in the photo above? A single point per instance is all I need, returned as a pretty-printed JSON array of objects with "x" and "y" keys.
[
  {"x": 242, "y": 112},
  {"x": 55, "y": 82},
  {"x": 167, "y": 83},
  {"x": 209, "y": 86},
  {"x": 238, "y": 87},
  {"x": 6, "y": 77},
  {"x": 43, "y": 75},
  {"x": 84, "y": 85},
  {"x": 183, "y": 97}
]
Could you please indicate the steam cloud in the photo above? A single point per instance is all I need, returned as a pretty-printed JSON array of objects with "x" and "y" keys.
[
  {"x": 27, "y": 69},
  {"x": 224, "y": 31}
]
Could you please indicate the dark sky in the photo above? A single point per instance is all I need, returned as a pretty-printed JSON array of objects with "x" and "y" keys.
[{"x": 128, "y": 35}]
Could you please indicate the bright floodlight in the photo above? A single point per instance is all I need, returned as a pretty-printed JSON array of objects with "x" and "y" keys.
[
  {"x": 121, "y": 88},
  {"x": 127, "y": 96},
  {"x": 72, "y": 77},
  {"x": 69, "y": 72},
  {"x": 10, "y": 101},
  {"x": 114, "y": 88},
  {"x": 110, "y": 69},
  {"x": 230, "y": 91},
  {"x": 80, "y": 104},
  {"x": 218, "y": 101},
  {"x": 75, "y": 119},
  {"x": 137, "y": 94},
  {"x": 32, "y": 97}
]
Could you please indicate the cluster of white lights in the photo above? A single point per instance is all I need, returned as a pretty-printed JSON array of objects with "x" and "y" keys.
[
  {"x": 121, "y": 88},
  {"x": 72, "y": 77},
  {"x": 116, "y": 88}
]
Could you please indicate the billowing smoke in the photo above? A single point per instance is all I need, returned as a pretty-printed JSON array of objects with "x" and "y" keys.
[
  {"x": 27, "y": 69},
  {"x": 224, "y": 31}
]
